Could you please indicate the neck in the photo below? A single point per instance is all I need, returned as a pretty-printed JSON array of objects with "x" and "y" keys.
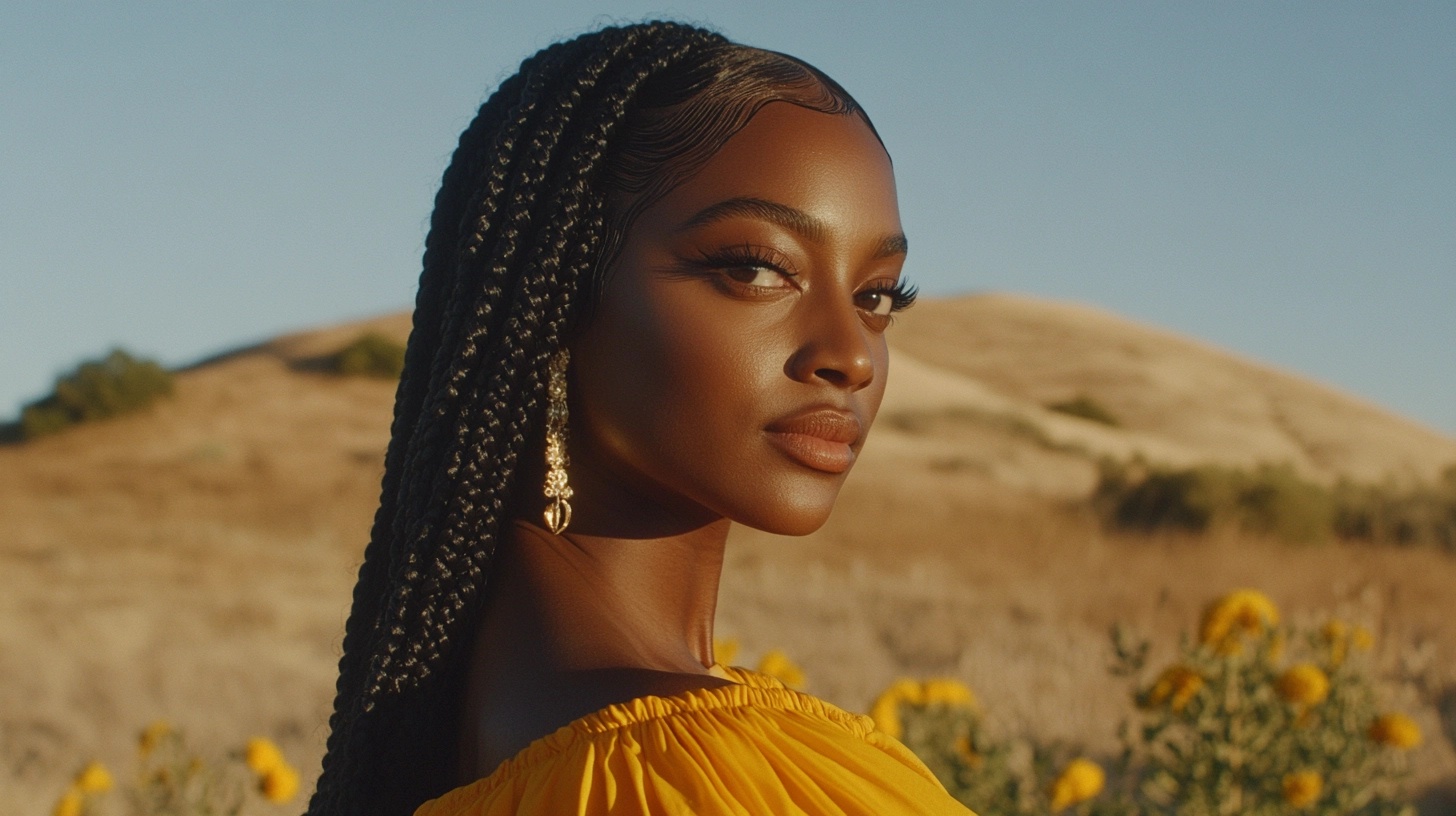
[
  {"x": 575, "y": 622},
  {"x": 618, "y": 605},
  {"x": 578, "y": 601}
]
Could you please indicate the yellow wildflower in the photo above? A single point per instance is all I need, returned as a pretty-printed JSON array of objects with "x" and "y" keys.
[
  {"x": 152, "y": 736},
  {"x": 94, "y": 778},
  {"x": 886, "y": 709},
  {"x": 1177, "y": 685},
  {"x": 1334, "y": 631},
  {"x": 1081, "y": 780},
  {"x": 279, "y": 784},
  {"x": 947, "y": 691},
  {"x": 71, "y": 803},
  {"x": 725, "y": 650},
  {"x": 777, "y": 665},
  {"x": 943, "y": 691},
  {"x": 1302, "y": 788},
  {"x": 1241, "y": 612},
  {"x": 1304, "y": 684},
  {"x": 262, "y": 755},
  {"x": 1396, "y": 730}
]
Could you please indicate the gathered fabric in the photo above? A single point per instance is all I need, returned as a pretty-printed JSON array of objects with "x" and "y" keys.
[{"x": 752, "y": 748}]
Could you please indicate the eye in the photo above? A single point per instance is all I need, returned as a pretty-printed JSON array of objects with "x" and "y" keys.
[
  {"x": 749, "y": 268},
  {"x": 884, "y": 299},
  {"x": 767, "y": 277},
  {"x": 877, "y": 302}
]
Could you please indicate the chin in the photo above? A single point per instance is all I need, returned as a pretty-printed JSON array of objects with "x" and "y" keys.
[{"x": 782, "y": 515}]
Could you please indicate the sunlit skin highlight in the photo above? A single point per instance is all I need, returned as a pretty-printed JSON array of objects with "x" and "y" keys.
[{"x": 729, "y": 373}]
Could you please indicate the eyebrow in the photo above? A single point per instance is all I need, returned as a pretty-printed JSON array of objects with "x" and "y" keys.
[{"x": 789, "y": 218}]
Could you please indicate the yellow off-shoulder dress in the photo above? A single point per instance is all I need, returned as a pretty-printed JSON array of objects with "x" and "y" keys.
[{"x": 753, "y": 748}]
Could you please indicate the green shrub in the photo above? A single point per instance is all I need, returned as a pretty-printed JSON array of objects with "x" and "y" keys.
[
  {"x": 96, "y": 389},
  {"x": 371, "y": 355},
  {"x": 1272, "y": 499},
  {"x": 1384, "y": 514},
  {"x": 1276, "y": 500},
  {"x": 1085, "y": 407},
  {"x": 1163, "y": 498}
]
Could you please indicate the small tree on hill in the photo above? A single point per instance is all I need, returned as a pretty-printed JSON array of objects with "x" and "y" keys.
[{"x": 97, "y": 389}]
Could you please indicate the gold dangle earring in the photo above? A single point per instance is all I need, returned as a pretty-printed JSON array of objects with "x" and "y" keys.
[{"x": 558, "y": 511}]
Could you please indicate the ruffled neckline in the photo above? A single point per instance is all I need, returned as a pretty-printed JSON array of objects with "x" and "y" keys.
[{"x": 747, "y": 688}]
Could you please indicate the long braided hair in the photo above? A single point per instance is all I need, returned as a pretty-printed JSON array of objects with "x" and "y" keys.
[{"x": 529, "y": 216}]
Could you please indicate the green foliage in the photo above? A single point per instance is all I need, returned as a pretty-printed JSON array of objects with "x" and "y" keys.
[
  {"x": 1272, "y": 499},
  {"x": 1382, "y": 514},
  {"x": 976, "y": 770},
  {"x": 371, "y": 355},
  {"x": 116, "y": 384},
  {"x": 1164, "y": 498},
  {"x": 1085, "y": 407},
  {"x": 1275, "y": 500},
  {"x": 174, "y": 781},
  {"x": 1244, "y": 738}
]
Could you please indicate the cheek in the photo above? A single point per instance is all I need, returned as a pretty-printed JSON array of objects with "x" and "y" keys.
[{"x": 670, "y": 380}]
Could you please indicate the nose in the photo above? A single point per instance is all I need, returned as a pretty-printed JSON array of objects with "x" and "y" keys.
[{"x": 834, "y": 348}]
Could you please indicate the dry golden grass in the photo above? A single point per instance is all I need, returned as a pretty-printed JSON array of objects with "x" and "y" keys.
[
  {"x": 1185, "y": 397},
  {"x": 195, "y": 562}
]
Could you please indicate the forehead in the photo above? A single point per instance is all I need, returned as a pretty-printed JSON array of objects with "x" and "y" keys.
[{"x": 829, "y": 165}]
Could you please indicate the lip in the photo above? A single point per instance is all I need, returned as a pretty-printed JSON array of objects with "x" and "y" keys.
[{"x": 821, "y": 439}]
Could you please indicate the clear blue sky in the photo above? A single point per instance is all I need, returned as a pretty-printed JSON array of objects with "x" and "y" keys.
[{"x": 180, "y": 178}]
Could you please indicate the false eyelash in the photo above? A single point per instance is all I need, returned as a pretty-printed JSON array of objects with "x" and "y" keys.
[
  {"x": 744, "y": 255},
  {"x": 902, "y": 294}
]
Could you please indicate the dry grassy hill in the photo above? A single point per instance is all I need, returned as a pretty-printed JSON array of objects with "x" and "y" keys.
[
  {"x": 194, "y": 562},
  {"x": 1177, "y": 400}
]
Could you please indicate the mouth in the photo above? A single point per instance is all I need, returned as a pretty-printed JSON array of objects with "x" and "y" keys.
[{"x": 821, "y": 439}]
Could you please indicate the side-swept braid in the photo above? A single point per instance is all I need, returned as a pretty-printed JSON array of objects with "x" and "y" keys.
[{"x": 526, "y": 224}]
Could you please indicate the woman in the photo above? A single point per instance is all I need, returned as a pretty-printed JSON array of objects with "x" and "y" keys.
[{"x": 654, "y": 295}]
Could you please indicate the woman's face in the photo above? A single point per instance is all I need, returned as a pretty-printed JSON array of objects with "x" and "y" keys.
[{"x": 737, "y": 356}]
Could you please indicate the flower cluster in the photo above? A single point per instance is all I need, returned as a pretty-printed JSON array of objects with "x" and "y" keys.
[
  {"x": 942, "y": 692},
  {"x": 1239, "y": 615},
  {"x": 277, "y": 780},
  {"x": 1079, "y": 782},
  {"x": 92, "y": 780},
  {"x": 171, "y": 780},
  {"x": 1250, "y": 717},
  {"x": 1231, "y": 721}
]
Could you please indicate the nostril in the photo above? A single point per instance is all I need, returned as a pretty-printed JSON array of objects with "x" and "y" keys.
[{"x": 832, "y": 375}]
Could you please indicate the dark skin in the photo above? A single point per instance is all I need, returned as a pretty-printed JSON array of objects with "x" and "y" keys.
[{"x": 730, "y": 372}]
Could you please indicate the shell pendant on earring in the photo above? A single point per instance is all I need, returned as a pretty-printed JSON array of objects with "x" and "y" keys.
[{"x": 558, "y": 510}]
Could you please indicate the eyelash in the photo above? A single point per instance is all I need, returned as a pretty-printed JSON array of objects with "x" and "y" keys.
[
  {"x": 744, "y": 255},
  {"x": 902, "y": 294}
]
